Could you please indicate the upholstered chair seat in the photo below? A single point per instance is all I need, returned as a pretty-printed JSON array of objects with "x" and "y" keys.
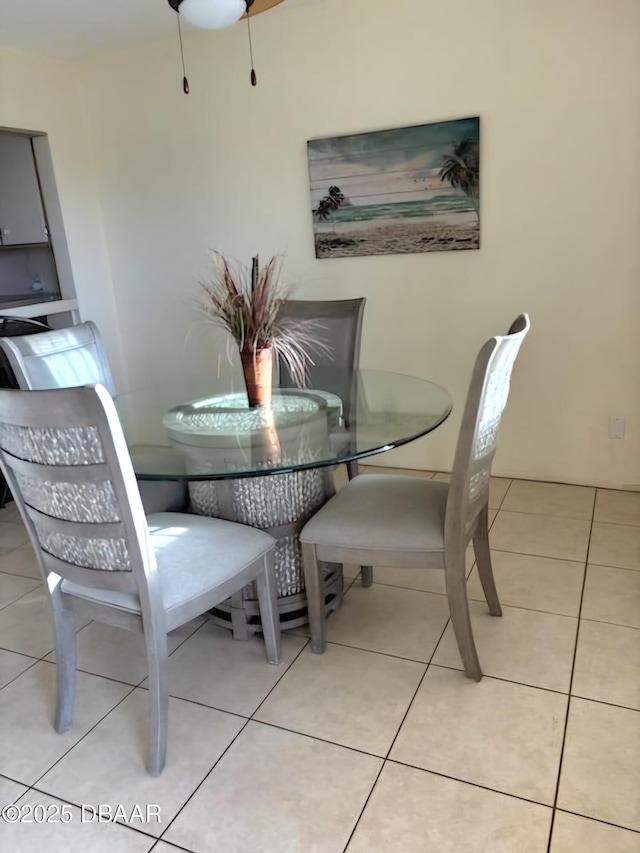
[
  {"x": 383, "y": 512},
  {"x": 187, "y": 563}
]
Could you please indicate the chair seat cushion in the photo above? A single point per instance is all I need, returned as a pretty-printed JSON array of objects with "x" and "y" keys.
[
  {"x": 194, "y": 554},
  {"x": 382, "y": 512}
]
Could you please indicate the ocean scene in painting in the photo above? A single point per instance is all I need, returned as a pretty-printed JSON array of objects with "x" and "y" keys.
[{"x": 410, "y": 189}]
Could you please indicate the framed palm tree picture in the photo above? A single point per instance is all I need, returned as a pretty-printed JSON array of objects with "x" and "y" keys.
[{"x": 389, "y": 192}]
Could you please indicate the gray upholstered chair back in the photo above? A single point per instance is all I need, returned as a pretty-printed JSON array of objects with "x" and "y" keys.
[
  {"x": 340, "y": 328},
  {"x": 65, "y": 458},
  {"x": 62, "y": 358},
  {"x": 477, "y": 443}
]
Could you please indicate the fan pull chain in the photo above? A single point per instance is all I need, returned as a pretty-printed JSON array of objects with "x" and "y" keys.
[
  {"x": 254, "y": 79},
  {"x": 185, "y": 82}
]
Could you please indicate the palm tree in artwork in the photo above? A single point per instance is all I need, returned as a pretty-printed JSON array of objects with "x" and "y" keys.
[
  {"x": 329, "y": 204},
  {"x": 462, "y": 170}
]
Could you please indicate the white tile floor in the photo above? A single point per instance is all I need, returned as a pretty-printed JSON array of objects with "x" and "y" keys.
[{"x": 381, "y": 744}]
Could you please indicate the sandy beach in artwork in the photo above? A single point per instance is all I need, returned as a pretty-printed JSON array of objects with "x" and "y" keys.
[{"x": 393, "y": 237}]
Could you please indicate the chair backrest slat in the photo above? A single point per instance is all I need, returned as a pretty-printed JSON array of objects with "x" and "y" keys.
[
  {"x": 51, "y": 524},
  {"x": 339, "y": 327},
  {"x": 477, "y": 441},
  {"x": 64, "y": 498},
  {"x": 95, "y": 472},
  {"x": 62, "y": 358},
  {"x": 113, "y": 581},
  {"x": 65, "y": 458}
]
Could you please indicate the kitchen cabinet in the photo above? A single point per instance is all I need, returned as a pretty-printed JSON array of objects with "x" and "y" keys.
[{"x": 22, "y": 219}]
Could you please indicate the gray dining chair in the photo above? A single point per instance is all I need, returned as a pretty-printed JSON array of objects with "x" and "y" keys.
[
  {"x": 64, "y": 455},
  {"x": 406, "y": 522},
  {"x": 335, "y": 369},
  {"x": 65, "y": 358}
]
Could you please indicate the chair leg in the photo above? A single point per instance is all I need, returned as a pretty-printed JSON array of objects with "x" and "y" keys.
[
  {"x": 459, "y": 609},
  {"x": 158, "y": 700},
  {"x": 339, "y": 599},
  {"x": 269, "y": 615},
  {"x": 239, "y": 625},
  {"x": 64, "y": 630},
  {"x": 315, "y": 599},
  {"x": 483, "y": 563},
  {"x": 353, "y": 470}
]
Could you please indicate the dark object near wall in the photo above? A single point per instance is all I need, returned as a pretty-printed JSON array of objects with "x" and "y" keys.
[{"x": 11, "y": 327}]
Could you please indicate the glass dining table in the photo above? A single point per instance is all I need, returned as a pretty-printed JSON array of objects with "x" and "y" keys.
[{"x": 272, "y": 467}]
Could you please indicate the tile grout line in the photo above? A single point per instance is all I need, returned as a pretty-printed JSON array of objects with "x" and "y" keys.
[
  {"x": 202, "y": 704},
  {"x": 504, "y": 497},
  {"x": 431, "y": 662},
  {"x": 224, "y": 752},
  {"x": 109, "y": 678},
  {"x": 133, "y": 688},
  {"x": 395, "y": 737},
  {"x": 331, "y": 642},
  {"x": 573, "y": 669},
  {"x": 424, "y": 675},
  {"x": 505, "y": 680},
  {"x": 31, "y": 665},
  {"x": 135, "y": 685},
  {"x": 317, "y": 738},
  {"x": 512, "y": 478},
  {"x": 306, "y": 643},
  {"x": 512, "y": 606},
  {"x": 328, "y": 743},
  {"x": 221, "y": 710},
  {"x": 606, "y": 704},
  {"x": 383, "y": 764},
  {"x": 599, "y": 820},
  {"x": 557, "y": 515},
  {"x": 97, "y": 723},
  {"x": 21, "y": 654},
  {"x": 139, "y": 685},
  {"x": 215, "y": 764},
  {"x": 16, "y": 574},
  {"x": 618, "y": 568},
  {"x": 472, "y": 784},
  {"x": 618, "y": 523},
  {"x": 20, "y": 597},
  {"x": 544, "y": 556},
  {"x": 614, "y": 624},
  {"x": 483, "y": 600},
  {"x": 77, "y": 806},
  {"x": 172, "y": 843}
]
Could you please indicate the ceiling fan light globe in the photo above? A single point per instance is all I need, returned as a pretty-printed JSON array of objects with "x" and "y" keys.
[{"x": 212, "y": 14}]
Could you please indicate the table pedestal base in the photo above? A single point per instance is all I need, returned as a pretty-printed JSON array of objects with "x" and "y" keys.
[
  {"x": 242, "y": 614},
  {"x": 280, "y": 505}
]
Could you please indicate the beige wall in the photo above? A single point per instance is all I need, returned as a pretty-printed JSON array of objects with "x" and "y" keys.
[
  {"x": 44, "y": 95},
  {"x": 557, "y": 87}
]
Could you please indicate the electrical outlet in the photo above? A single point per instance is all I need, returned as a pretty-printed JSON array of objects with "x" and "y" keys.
[{"x": 617, "y": 425}]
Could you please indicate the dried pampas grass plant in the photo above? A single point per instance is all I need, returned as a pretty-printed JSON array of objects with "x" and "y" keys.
[{"x": 246, "y": 302}]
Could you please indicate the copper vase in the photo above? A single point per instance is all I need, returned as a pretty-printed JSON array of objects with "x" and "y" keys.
[{"x": 257, "y": 367}]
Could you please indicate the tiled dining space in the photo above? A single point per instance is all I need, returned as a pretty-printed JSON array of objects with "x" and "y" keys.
[{"x": 382, "y": 743}]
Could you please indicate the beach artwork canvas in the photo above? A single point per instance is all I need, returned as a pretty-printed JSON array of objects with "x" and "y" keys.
[{"x": 410, "y": 189}]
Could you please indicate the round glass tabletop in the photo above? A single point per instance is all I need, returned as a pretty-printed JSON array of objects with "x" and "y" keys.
[{"x": 189, "y": 431}]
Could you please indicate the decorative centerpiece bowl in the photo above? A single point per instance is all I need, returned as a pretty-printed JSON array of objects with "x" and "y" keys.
[{"x": 246, "y": 303}]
